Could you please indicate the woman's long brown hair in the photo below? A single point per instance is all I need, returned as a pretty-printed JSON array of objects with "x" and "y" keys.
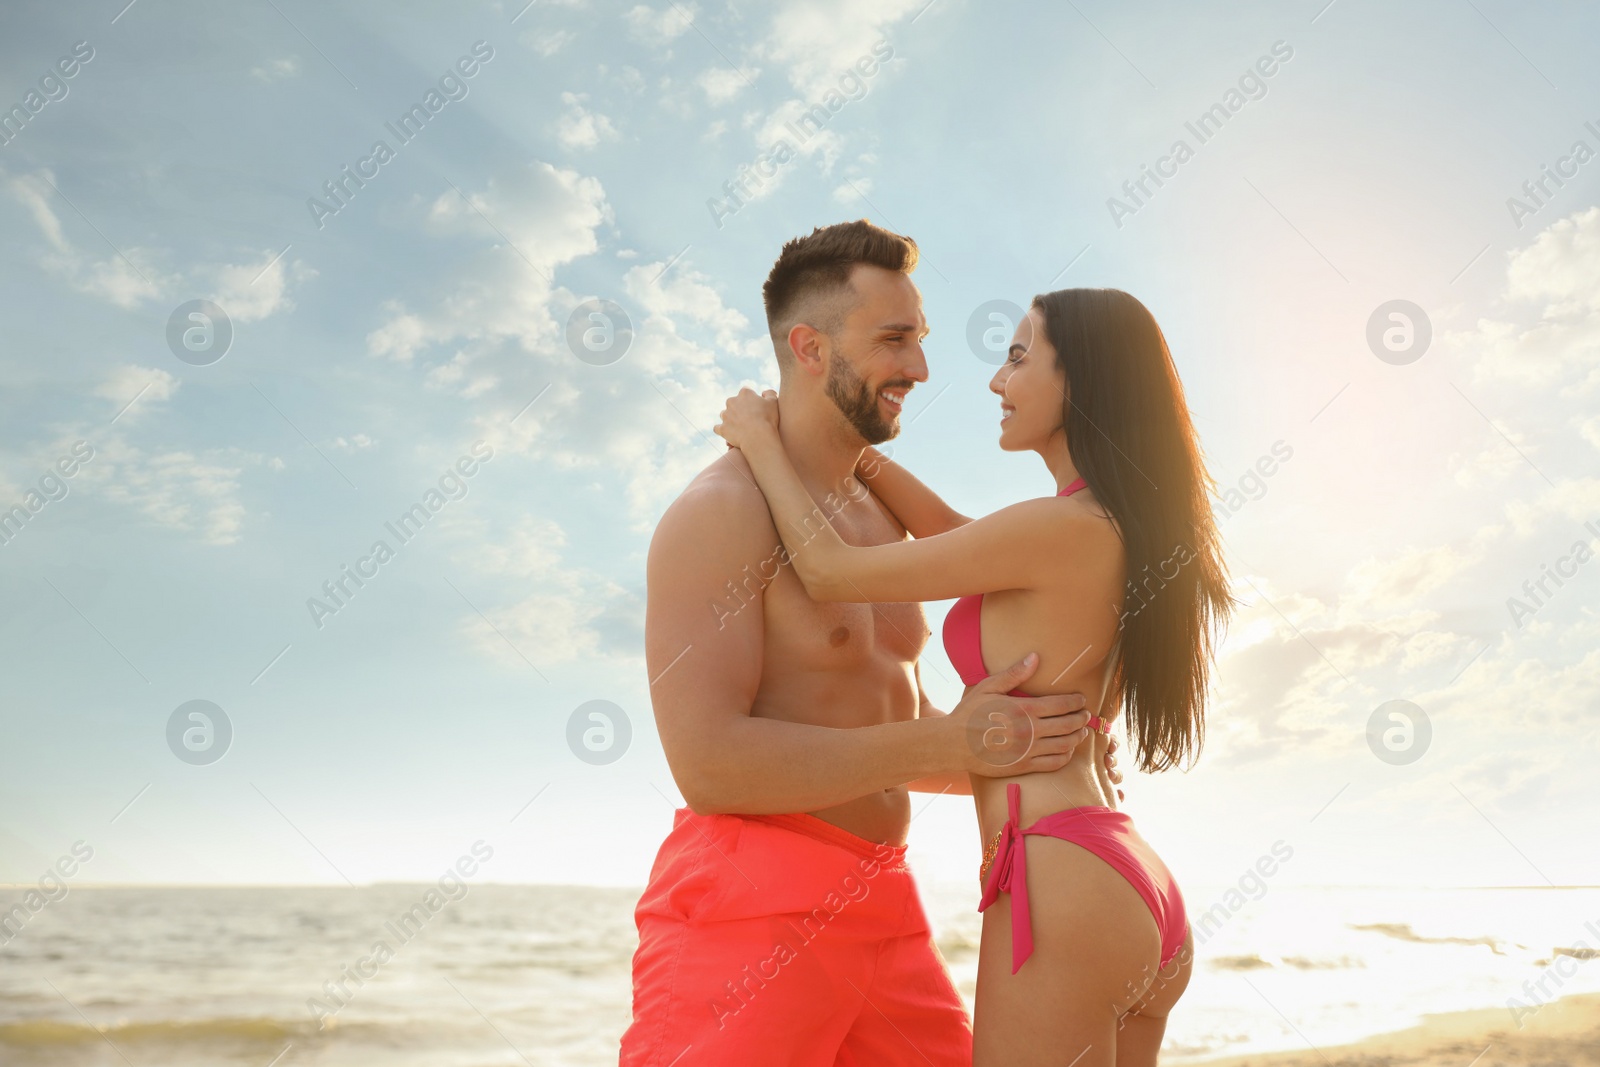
[{"x": 1132, "y": 441}]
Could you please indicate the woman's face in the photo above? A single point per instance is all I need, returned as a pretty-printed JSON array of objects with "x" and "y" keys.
[{"x": 1031, "y": 388}]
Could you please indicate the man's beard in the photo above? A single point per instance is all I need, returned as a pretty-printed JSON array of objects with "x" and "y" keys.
[{"x": 857, "y": 403}]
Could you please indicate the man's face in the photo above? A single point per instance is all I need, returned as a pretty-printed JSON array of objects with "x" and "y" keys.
[{"x": 877, "y": 353}]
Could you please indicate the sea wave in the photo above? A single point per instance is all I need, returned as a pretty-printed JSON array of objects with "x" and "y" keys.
[
  {"x": 224, "y": 978},
  {"x": 1404, "y": 932},
  {"x": 264, "y": 1030}
]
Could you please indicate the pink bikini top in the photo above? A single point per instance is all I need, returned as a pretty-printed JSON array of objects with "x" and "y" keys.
[{"x": 963, "y": 637}]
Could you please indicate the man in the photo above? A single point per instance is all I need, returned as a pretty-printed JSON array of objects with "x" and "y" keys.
[{"x": 781, "y": 924}]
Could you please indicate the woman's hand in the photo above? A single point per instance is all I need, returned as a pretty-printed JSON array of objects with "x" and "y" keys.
[{"x": 748, "y": 417}]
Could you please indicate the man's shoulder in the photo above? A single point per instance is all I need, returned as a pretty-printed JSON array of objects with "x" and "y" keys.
[
  {"x": 725, "y": 488},
  {"x": 722, "y": 503}
]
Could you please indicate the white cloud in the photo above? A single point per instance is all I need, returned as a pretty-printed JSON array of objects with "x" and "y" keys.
[
  {"x": 779, "y": 148},
  {"x": 652, "y": 424},
  {"x": 502, "y": 292},
  {"x": 569, "y": 613},
  {"x": 1490, "y": 701},
  {"x": 133, "y": 390},
  {"x": 1409, "y": 623},
  {"x": 175, "y": 489},
  {"x": 1561, "y": 266},
  {"x": 857, "y": 185},
  {"x": 117, "y": 279},
  {"x": 1559, "y": 270},
  {"x": 1273, "y": 685},
  {"x": 1488, "y": 467},
  {"x": 682, "y": 294},
  {"x": 1590, "y": 430},
  {"x": 178, "y": 489},
  {"x": 533, "y": 550},
  {"x": 549, "y": 214},
  {"x": 791, "y": 123},
  {"x": 1427, "y": 647},
  {"x": 1539, "y": 365},
  {"x": 721, "y": 84},
  {"x": 276, "y": 69},
  {"x": 578, "y": 127},
  {"x": 32, "y": 192},
  {"x": 251, "y": 291},
  {"x": 463, "y": 376},
  {"x": 631, "y": 79},
  {"x": 497, "y": 333},
  {"x": 550, "y": 42},
  {"x": 1400, "y": 580},
  {"x": 1572, "y": 500},
  {"x": 129, "y": 278},
  {"x": 353, "y": 443},
  {"x": 496, "y": 296},
  {"x": 124, "y": 282},
  {"x": 817, "y": 41},
  {"x": 832, "y": 53},
  {"x": 852, "y": 191},
  {"x": 660, "y": 25}
]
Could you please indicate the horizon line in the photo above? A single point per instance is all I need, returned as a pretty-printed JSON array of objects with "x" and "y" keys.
[{"x": 35, "y": 885}]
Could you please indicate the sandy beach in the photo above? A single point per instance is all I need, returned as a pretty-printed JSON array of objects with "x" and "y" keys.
[{"x": 1561, "y": 1033}]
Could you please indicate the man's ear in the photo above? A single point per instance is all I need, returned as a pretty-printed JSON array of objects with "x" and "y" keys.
[{"x": 809, "y": 347}]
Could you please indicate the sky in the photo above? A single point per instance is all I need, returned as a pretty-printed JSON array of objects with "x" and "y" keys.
[{"x": 1377, "y": 264}]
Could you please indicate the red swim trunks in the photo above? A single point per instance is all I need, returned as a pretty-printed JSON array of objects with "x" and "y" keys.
[{"x": 785, "y": 941}]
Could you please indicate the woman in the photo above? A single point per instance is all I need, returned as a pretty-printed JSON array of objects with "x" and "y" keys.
[{"x": 1117, "y": 581}]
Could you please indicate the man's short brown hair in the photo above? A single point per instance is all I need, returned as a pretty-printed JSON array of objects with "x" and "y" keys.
[{"x": 810, "y": 282}]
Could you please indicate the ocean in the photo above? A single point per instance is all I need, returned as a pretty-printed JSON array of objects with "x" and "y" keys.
[{"x": 539, "y": 974}]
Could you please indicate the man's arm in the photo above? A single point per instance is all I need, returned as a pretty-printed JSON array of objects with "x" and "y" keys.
[
  {"x": 709, "y": 561},
  {"x": 953, "y": 782}
]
